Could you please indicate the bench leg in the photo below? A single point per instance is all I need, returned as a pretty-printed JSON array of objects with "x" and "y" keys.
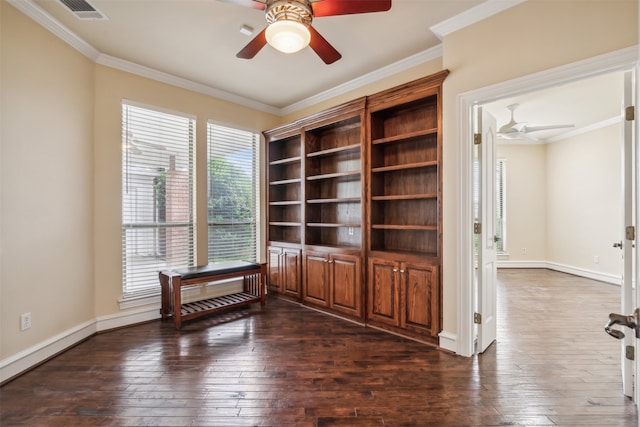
[
  {"x": 177, "y": 302},
  {"x": 165, "y": 308}
]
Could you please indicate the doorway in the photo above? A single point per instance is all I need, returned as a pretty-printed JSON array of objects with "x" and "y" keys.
[
  {"x": 616, "y": 61},
  {"x": 558, "y": 195}
]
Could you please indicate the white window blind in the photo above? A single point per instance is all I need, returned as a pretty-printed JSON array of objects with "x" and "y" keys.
[
  {"x": 157, "y": 196},
  {"x": 232, "y": 193},
  {"x": 500, "y": 208}
]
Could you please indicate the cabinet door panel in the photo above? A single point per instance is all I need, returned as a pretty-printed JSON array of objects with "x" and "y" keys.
[
  {"x": 384, "y": 304},
  {"x": 420, "y": 298},
  {"x": 274, "y": 268},
  {"x": 316, "y": 278},
  {"x": 291, "y": 272},
  {"x": 346, "y": 280}
]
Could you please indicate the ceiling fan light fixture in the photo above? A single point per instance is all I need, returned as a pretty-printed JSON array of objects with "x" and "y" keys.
[{"x": 288, "y": 36}]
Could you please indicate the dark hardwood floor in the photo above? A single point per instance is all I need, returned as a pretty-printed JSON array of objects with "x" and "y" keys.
[{"x": 286, "y": 365}]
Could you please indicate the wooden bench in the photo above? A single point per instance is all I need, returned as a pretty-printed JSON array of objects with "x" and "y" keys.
[{"x": 172, "y": 281}]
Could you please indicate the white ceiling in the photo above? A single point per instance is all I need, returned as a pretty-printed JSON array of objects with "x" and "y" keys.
[
  {"x": 198, "y": 39},
  {"x": 587, "y": 104},
  {"x": 193, "y": 44}
]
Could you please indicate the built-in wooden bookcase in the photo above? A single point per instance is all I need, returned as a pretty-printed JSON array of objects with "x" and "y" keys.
[
  {"x": 334, "y": 184},
  {"x": 405, "y": 178},
  {"x": 285, "y": 214},
  {"x": 404, "y": 214},
  {"x": 285, "y": 190},
  {"x": 355, "y": 209}
]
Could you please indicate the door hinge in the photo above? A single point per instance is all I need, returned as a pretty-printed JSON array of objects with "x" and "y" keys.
[
  {"x": 477, "y": 139},
  {"x": 477, "y": 318},
  {"x": 630, "y": 113},
  {"x": 630, "y": 352},
  {"x": 630, "y": 232},
  {"x": 477, "y": 228}
]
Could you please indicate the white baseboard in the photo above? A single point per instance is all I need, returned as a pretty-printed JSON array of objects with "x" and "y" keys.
[
  {"x": 576, "y": 271},
  {"x": 448, "y": 341},
  {"x": 522, "y": 264},
  {"x": 118, "y": 320},
  {"x": 33, "y": 356}
]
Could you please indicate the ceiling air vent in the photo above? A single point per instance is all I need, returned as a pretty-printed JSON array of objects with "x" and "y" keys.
[{"x": 82, "y": 9}]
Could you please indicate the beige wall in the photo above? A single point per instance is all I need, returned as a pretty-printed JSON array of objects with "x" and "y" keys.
[
  {"x": 47, "y": 184},
  {"x": 533, "y": 36},
  {"x": 584, "y": 200},
  {"x": 526, "y": 206}
]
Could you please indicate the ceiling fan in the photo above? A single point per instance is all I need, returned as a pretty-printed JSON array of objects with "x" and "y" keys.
[
  {"x": 515, "y": 130},
  {"x": 289, "y": 24}
]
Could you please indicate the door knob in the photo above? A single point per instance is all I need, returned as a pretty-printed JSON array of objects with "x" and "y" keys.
[
  {"x": 631, "y": 321},
  {"x": 618, "y": 245}
]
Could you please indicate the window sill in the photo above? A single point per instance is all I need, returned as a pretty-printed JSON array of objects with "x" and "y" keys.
[{"x": 139, "y": 300}]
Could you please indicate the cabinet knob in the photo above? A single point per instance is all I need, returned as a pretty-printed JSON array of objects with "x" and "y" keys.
[
  {"x": 395, "y": 270},
  {"x": 401, "y": 271},
  {"x": 331, "y": 261}
]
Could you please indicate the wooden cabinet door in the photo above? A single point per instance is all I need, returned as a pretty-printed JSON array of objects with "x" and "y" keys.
[
  {"x": 420, "y": 298},
  {"x": 274, "y": 268},
  {"x": 316, "y": 278},
  {"x": 291, "y": 272},
  {"x": 346, "y": 294},
  {"x": 383, "y": 292}
]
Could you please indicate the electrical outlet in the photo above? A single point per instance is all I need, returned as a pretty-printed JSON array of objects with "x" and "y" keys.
[
  {"x": 25, "y": 321},
  {"x": 596, "y": 259},
  {"x": 524, "y": 251},
  {"x": 350, "y": 231}
]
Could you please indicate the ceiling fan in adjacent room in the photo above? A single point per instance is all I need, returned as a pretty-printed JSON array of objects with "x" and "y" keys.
[
  {"x": 517, "y": 130},
  {"x": 289, "y": 24}
]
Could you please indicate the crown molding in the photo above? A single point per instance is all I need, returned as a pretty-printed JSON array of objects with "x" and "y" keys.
[
  {"x": 471, "y": 16},
  {"x": 372, "y": 77},
  {"x": 160, "y": 76},
  {"x": 584, "y": 129}
]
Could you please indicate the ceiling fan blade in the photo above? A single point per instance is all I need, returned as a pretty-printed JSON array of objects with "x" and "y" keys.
[
  {"x": 348, "y": 7},
  {"x": 254, "y": 46},
  {"x": 322, "y": 47},
  {"x": 550, "y": 127},
  {"x": 254, "y": 4}
]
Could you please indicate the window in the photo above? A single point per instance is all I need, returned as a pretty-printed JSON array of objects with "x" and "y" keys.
[
  {"x": 501, "y": 218},
  {"x": 157, "y": 196},
  {"x": 232, "y": 202}
]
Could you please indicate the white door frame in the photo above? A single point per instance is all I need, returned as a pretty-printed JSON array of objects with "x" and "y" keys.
[{"x": 613, "y": 61}]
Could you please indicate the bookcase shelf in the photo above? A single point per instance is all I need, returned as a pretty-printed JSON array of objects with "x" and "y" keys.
[{"x": 401, "y": 137}]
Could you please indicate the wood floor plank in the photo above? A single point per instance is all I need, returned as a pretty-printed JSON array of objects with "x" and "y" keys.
[{"x": 286, "y": 365}]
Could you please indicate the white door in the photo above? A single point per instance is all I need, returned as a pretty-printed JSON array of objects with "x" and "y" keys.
[
  {"x": 627, "y": 300},
  {"x": 628, "y": 318},
  {"x": 629, "y": 134},
  {"x": 486, "y": 268}
]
